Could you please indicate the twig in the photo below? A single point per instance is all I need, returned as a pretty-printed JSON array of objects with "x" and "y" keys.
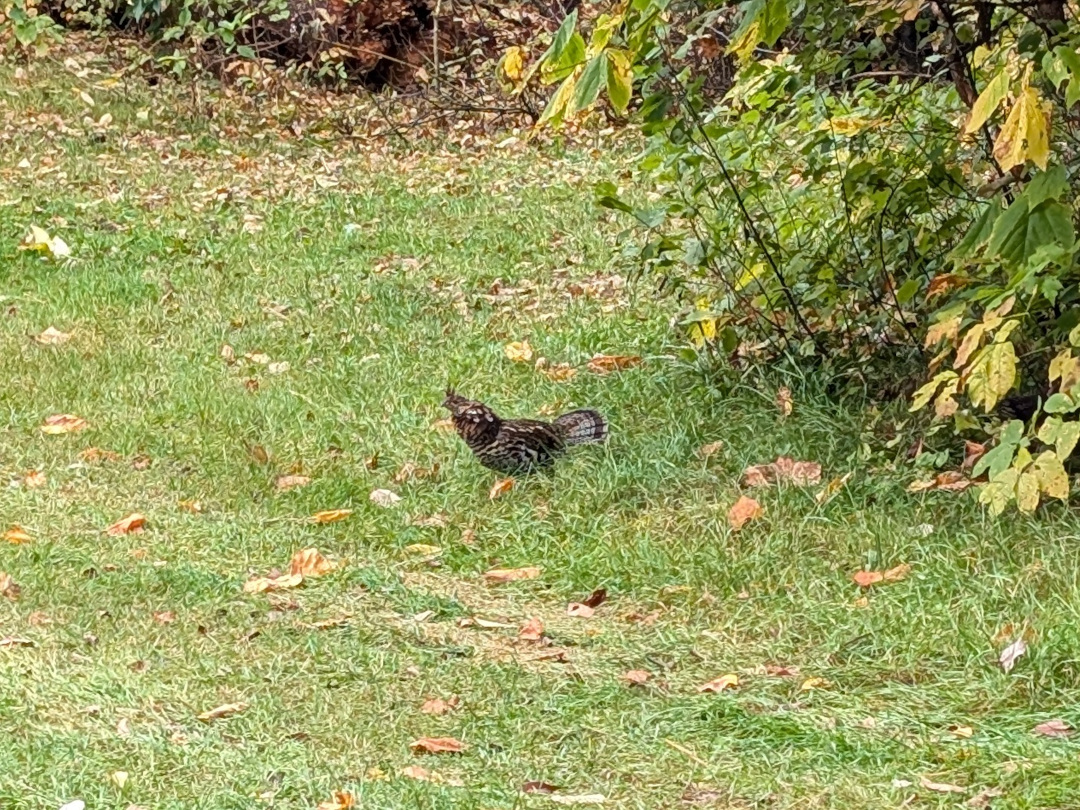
[{"x": 435, "y": 42}]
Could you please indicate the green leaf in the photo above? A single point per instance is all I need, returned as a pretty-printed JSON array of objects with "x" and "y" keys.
[
  {"x": 1071, "y": 61},
  {"x": 561, "y": 39},
  {"x": 1020, "y": 232},
  {"x": 988, "y": 101},
  {"x": 620, "y": 79},
  {"x": 907, "y": 290},
  {"x": 762, "y": 21},
  {"x": 588, "y": 85},
  {"x": 1052, "y": 184},
  {"x": 979, "y": 232},
  {"x": 1059, "y": 403},
  {"x": 556, "y": 107},
  {"x": 558, "y": 68}
]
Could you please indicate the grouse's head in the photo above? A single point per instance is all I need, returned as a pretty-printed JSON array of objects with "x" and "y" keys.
[{"x": 466, "y": 409}]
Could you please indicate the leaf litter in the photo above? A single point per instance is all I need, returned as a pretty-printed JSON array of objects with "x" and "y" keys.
[
  {"x": 743, "y": 511},
  {"x": 783, "y": 470}
]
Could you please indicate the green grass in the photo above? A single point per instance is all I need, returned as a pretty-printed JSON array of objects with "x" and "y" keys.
[{"x": 164, "y": 275}]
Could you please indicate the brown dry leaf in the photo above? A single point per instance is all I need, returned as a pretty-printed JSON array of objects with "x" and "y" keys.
[
  {"x": 385, "y": 498},
  {"x": 132, "y": 524},
  {"x": 331, "y": 515},
  {"x": 584, "y": 798},
  {"x": 52, "y": 337},
  {"x": 500, "y": 575},
  {"x": 500, "y": 487},
  {"x": 339, "y": 801},
  {"x": 560, "y": 372},
  {"x": 189, "y": 505},
  {"x": 810, "y": 684},
  {"x": 864, "y": 579},
  {"x": 607, "y": 363},
  {"x": 743, "y": 511},
  {"x": 784, "y": 402},
  {"x": 1053, "y": 728},
  {"x": 519, "y": 352},
  {"x": 532, "y": 630},
  {"x": 284, "y": 482},
  {"x": 34, "y": 479},
  {"x": 983, "y": 797},
  {"x": 225, "y": 710},
  {"x": 729, "y": 681},
  {"x": 93, "y": 455},
  {"x": 9, "y": 589},
  {"x": 636, "y": 677},
  {"x": 439, "y": 706},
  {"x": 424, "y": 775},
  {"x": 828, "y": 492},
  {"x": 941, "y": 787},
  {"x": 15, "y": 641},
  {"x": 437, "y": 745},
  {"x": 973, "y": 451},
  {"x": 949, "y": 481},
  {"x": 260, "y": 584},
  {"x": 710, "y": 449},
  {"x": 164, "y": 617},
  {"x": 439, "y": 520},
  {"x": 798, "y": 473},
  {"x": 63, "y": 423},
  {"x": 308, "y": 562},
  {"x": 16, "y": 535},
  {"x": 539, "y": 787},
  {"x": 1008, "y": 656},
  {"x": 963, "y": 732},
  {"x": 579, "y": 611}
]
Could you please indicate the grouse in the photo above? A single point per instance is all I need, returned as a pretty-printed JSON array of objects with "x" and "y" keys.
[{"x": 511, "y": 446}]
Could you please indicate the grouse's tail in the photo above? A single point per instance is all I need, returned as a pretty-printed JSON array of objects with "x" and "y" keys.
[{"x": 582, "y": 427}]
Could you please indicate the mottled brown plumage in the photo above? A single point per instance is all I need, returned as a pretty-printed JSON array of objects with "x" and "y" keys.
[{"x": 511, "y": 446}]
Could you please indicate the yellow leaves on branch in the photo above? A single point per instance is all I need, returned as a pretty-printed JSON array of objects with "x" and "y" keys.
[
  {"x": 1025, "y": 134},
  {"x": 992, "y": 374}
]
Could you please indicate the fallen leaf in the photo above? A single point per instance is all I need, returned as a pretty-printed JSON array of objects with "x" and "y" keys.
[
  {"x": 963, "y": 732},
  {"x": 596, "y": 598},
  {"x": 532, "y": 630},
  {"x": 973, "y": 451},
  {"x": 585, "y": 798},
  {"x": 308, "y": 562},
  {"x": 384, "y": 497},
  {"x": 132, "y": 524},
  {"x": 1053, "y": 728},
  {"x": 720, "y": 684},
  {"x": 784, "y": 469},
  {"x": 518, "y": 352},
  {"x": 164, "y": 617},
  {"x": 499, "y": 575},
  {"x": 339, "y": 801},
  {"x": 539, "y": 787},
  {"x": 983, "y": 797},
  {"x": 743, "y": 511},
  {"x": 225, "y": 710},
  {"x": 228, "y": 353},
  {"x": 8, "y": 587},
  {"x": 784, "y": 402},
  {"x": 436, "y": 521},
  {"x": 424, "y": 549},
  {"x": 424, "y": 775},
  {"x": 439, "y": 706},
  {"x": 260, "y": 584},
  {"x": 607, "y": 363},
  {"x": 941, "y": 787},
  {"x": 828, "y": 492},
  {"x": 77, "y": 804},
  {"x": 260, "y": 455},
  {"x": 437, "y": 745},
  {"x": 810, "y": 684},
  {"x": 636, "y": 677},
  {"x": 579, "y": 611},
  {"x": 93, "y": 455},
  {"x": 500, "y": 487},
  {"x": 258, "y": 358},
  {"x": 38, "y": 239},
  {"x": 710, "y": 449},
  {"x": 487, "y": 624},
  {"x": 15, "y": 641},
  {"x": 560, "y": 372},
  {"x": 278, "y": 368},
  {"x": 864, "y": 579},
  {"x": 188, "y": 505},
  {"x": 777, "y": 671},
  {"x": 290, "y": 481},
  {"x": 1011, "y": 653},
  {"x": 119, "y": 778},
  {"x": 16, "y": 535},
  {"x": 949, "y": 481},
  {"x": 52, "y": 337},
  {"x": 63, "y": 423}
]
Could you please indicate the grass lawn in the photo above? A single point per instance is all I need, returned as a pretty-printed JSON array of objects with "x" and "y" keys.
[{"x": 377, "y": 279}]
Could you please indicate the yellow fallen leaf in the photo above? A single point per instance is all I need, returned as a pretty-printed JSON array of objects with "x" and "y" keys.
[
  {"x": 729, "y": 681},
  {"x": 132, "y": 524},
  {"x": 519, "y": 352},
  {"x": 260, "y": 584},
  {"x": 63, "y": 423},
  {"x": 291, "y": 481},
  {"x": 964, "y": 732},
  {"x": 784, "y": 402},
  {"x": 500, "y": 487},
  {"x": 811, "y": 684},
  {"x": 16, "y": 535},
  {"x": 225, "y": 710},
  {"x": 52, "y": 337},
  {"x": 119, "y": 778},
  {"x": 423, "y": 549},
  {"x": 511, "y": 574},
  {"x": 339, "y": 801},
  {"x": 308, "y": 562}
]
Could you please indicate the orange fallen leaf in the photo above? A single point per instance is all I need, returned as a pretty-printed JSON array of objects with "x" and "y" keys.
[
  {"x": 164, "y": 617},
  {"x": 225, "y": 710},
  {"x": 331, "y": 515},
  {"x": 973, "y": 451},
  {"x": 784, "y": 402},
  {"x": 784, "y": 469},
  {"x": 500, "y": 487},
  {"x": 1053, "y": 728},
  {"x": 559, "y": 372},
  {"x": 34, "y": 479},
  {"x": 607, "y": 363},
  {"x": 810, "y": 684},
  {"x": 308, "y": 562},
  {"x": 743, "y": 511},
  {"x": 260, "y": 584},
  {"x": 710, "y": 449},
  {"x": 499, "y": 575},
  {"x": 949, "y": 481},
  {"x": 339, "y": 801},
  {"x": 93, "y": 455},
  {"x": 132, "y": 524},
  {"x": 636, "y": 677},
  {"x": 439, "y": 706},
  {"x": 941, "y": 787},
  {"x": 437, "y": 745},
  {"x": 16, "y": 535},
  {"x": 63, "y": 423},
  {"x": 539, "y": 787},
  {"x": 9, "y": 589},
  {"x": 519, "y": 352},
  {"x": 532, "y": 630},
  {"x": 188, "y": 505},
  {"x": 827, "y": 492},
  {"x": 284, "y": 482},
  {"x": 864, "y": 579},
  {"x": 729, "y": 681}
]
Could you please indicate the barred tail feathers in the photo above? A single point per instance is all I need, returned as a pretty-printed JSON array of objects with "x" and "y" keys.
[{"x": 582, "y": 427}]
